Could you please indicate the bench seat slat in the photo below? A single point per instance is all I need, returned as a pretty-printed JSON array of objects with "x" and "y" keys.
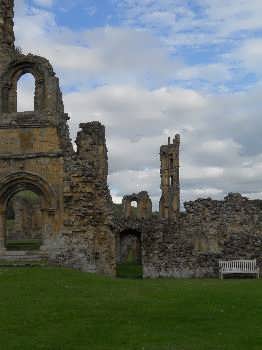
[{"x": 238, "y": 266}]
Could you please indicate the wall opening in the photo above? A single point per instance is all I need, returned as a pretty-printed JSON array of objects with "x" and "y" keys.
[
  {"x": 129, "y": 254},
  {"x": 134, "y": 208},
  {"x": 26, "y": 93},
  {"x": 24, "y": 221}
]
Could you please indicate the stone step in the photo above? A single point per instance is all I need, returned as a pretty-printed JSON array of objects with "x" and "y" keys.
[
  {"x": 6, "y": 263},
  {"x": 23, "y": 258}
]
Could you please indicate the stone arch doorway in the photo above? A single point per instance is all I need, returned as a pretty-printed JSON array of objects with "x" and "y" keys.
[
  {"x": 130, "y": 247},
  {"x": 129, "y": 253},
  {"x": 23, "y": 221},
  {"x": 17, "y": 183}
]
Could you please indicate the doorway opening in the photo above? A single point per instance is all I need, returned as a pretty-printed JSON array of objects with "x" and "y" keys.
[
  {"x": 24, "y": 222},
  {"x": 129, "y": 254}
]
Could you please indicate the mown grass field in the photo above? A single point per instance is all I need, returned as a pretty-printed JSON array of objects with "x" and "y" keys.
[{"x": 59, "y": 309}]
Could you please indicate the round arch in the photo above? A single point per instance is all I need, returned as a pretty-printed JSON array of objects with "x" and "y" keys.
[
  {"x": 24, "y": 181},
  {"x": 39, "y": 68}
]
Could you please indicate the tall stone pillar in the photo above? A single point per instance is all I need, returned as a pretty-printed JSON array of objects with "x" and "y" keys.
[
  {"x": 169, "y": 205},
  {"x": 7, "y": 37},
  {"x": 91, "y": 145}
]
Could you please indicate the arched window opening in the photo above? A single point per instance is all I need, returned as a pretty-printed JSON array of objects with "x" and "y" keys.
[
  {"x": 24, "y": 221},
  {"x": 171, "y": 163},
  {"x": 171, "y": 181},
  {"x": 134, "y": 209},
  {"x": 26, "y": 93}
]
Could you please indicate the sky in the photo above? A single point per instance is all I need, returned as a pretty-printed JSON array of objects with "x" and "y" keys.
[{"x": 148, "y": 69}]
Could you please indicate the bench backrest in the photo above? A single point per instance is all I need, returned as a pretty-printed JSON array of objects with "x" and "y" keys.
[{"x": 238, "y": 265}]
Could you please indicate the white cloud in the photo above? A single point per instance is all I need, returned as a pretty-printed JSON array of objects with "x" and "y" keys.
[
  {"x": 196, "y": 22},
  {"x": 103, "y": 55},
  {"x": 221, "y": 143},
  {"x": 249, "y": 55},
  {"x": 140, "y": 105}
]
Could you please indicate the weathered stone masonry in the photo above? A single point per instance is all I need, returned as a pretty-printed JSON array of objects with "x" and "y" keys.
[
  {"x": 36, "y": 154},
  {"x": 190, "y": 244},
  {"x": 207, "y": 231}
]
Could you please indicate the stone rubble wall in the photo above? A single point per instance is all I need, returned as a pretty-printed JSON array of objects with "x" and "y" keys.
[
  {"x": 207, "y": 231},
  {"x": 87, "y": 241}
]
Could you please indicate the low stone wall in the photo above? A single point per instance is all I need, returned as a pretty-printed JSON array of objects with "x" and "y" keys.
[{"x": 207, "y": 231}]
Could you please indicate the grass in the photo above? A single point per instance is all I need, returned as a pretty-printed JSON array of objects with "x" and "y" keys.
[
  {"x": 129, "y": 270},
  {"x": 59, "y": 309}
]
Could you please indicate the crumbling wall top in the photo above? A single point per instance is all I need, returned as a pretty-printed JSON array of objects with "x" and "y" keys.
[
  {"x": 144, "y": 205},
  {"x": 232, "y": 200}
]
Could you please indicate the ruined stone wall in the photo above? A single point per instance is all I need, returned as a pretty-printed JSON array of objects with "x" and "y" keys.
[
  {"x": 36, "y": 154},
  {"x": 144, "y": 205},
  {"x": 86, "y": 241},
  {"x": 207, "y": 231}
]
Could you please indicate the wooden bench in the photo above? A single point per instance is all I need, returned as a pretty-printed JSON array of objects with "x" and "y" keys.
[{"x": 238, "y": 267}]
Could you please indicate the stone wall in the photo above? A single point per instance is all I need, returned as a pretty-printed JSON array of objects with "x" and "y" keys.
[
  {"x": 143, "y": 209},
  {"x": 36, "y": 154},
  {"x": 88, "y": 242},
  {"x": 207, "y": 231}
]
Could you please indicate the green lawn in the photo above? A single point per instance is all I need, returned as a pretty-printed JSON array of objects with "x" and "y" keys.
[
  {"x": 59, "y": 309},
  {"x": 129, "y": 270}
]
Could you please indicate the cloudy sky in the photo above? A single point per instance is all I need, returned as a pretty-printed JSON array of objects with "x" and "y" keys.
[{"x": 148, "y": 69}]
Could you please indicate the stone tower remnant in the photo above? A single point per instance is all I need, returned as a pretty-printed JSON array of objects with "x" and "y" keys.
[
  {"x": 7, "y": 37},
  {"x": 169, "y": 205}
]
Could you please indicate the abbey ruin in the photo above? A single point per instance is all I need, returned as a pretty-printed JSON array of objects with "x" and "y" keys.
[{"x": 73, "y": 216}]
